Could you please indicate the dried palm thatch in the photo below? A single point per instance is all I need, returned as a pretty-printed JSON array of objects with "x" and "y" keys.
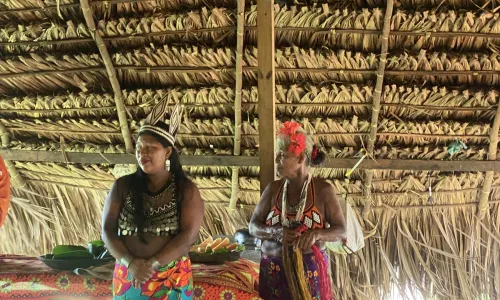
[
  {"x": 419, "y": 4},
  {"x": 297, "y": 100},
  {"x": 47, "y": 63},
  {"x": 440, "y": 61},
  {"x": 301, "y": 26},
  {"x": 36, "y": 12},
  {"x": 184, "y": 23},
  {"x": 330, "y": 90},
  {"x": 32, "y": 35},
  {"x": 312, "y": 20},
  {"x": 203, "y": 102},
  {"x": 445, "y": 21},
  {"x": 412, "y": 133},
  {"x": 450, "y": 259}
]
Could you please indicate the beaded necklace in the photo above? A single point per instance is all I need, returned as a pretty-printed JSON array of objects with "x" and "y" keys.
[{"x": 300, "y": 206}]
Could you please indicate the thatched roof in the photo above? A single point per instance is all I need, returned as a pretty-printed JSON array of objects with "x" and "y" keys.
[{"x": 440, "y": 67}]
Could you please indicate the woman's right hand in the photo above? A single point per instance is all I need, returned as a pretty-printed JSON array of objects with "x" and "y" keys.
[
  {"x": 141, "y": 270},
  {"x": 289, "y": 235}
]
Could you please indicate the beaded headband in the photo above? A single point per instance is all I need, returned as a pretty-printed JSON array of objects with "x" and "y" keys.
[{"x": 157, "y": 116}]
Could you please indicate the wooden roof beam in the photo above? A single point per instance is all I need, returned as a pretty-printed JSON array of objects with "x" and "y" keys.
[
  {"x": 377, "y": 95},
  {"x": 17, "y": 179},
  {"x": 266, "y": 83},
  {"x": 240, "y": 24},
  {"x": 110, "y": 69},
  {"x": 483, "y": 206},
  {"x": 253, "y": 161}
]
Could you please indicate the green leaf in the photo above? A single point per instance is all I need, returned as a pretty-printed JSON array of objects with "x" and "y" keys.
[
  {"x": 221, "y": 250},
  {"x": 78, "y": 254},
  {"x": 67, "y": 248},
  {"x": 240, "y": 248},
  {"x": 97, "y": 243}
]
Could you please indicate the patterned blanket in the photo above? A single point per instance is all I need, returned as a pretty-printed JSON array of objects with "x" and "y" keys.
[{"x": 28, "y": 278}]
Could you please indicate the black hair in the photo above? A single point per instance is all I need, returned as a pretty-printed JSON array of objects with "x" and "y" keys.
[
  {"x": 139, "y": 181},
  {"x": 319, "y": 158}
]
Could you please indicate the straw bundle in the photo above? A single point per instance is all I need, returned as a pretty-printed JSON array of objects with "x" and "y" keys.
[
  {"x": 48, "y": 83},
  {"x": 139, "y": 102},
  {"x": 439, "y": 97},
  {"x": 440, "y": 61},
  {"x": 444, "y": 21},
  {"x": 394, "y": 131},
  {"x": 182, "y": 22},
  {"x": 154, "y": 6},
  {"x": 322, "y": 18},
  {"x": 41, "y": 14},
  {"x": 419, "y": 4},
  {"x": 44, "y": 32}
]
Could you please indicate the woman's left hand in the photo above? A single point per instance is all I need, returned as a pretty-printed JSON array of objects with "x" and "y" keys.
[{"x": 306, "y": 240}]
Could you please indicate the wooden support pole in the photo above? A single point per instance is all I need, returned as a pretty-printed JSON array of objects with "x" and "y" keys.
[
  {"x": 377, "y": 95},
  {"x": 16, "y": 179},
  {"x": 266, "y": 85},
  {"x": 240, "y": 24},
  {"x": 110, "y": 69},
  {"x": 483, "y": 206}
]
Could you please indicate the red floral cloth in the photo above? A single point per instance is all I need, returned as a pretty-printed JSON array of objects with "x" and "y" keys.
[
  {"x": 28, "y": 278},
  {"x": 237, "y": 280}
]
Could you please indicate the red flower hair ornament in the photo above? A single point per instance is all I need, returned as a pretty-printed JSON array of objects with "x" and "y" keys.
[{"x": 297, "y": 140}]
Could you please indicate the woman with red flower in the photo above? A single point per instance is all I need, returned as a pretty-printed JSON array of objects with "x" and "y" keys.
[
  {"x": 297, "y": 200},
  {"x": 152, "y": 217}
]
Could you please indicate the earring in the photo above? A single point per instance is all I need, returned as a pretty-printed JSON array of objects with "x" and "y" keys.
[{"x": 167, "y": 165}]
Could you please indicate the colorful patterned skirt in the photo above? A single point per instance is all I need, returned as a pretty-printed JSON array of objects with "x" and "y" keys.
[
  {"x": 272, "y": 279},
  {"x": 173, "y": 281}
]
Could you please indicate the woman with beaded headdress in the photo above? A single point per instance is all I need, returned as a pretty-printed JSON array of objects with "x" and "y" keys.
[
  {"x": 294, "y": 218},
  {"x": 152, "y": 217}
]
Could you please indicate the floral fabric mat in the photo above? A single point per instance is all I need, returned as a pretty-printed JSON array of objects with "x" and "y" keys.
[{"x": 28, "y": 278}]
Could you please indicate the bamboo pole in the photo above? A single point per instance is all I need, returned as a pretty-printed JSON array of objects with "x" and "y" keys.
[
  {"x": 4, "y": 136},
  {"x": 108, "y": 63},
  {"x": 240, "y": 23},
  {"x": 377, "y": 95},
  {"x": 492, "y": 155}
]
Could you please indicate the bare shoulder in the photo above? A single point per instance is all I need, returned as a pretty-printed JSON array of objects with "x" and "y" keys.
[
  {"x": 274, "y": 187},
  {"x": 322, "y": 184},
  {"x": 121, "y": 184},
  {"x": 323, "y": 187},
  {"x": 191, "y": 188}
]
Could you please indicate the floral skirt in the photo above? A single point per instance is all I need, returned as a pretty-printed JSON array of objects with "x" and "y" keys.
[
  {"x": 272, "y": 279},
  {"x": 172, "y": 281}
]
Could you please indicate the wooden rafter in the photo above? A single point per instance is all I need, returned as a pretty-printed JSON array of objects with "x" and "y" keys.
[
  {"x": 492, "y": 155},
  {"x": 377, "y": 95},
  {"x": 16, "y": 178},
  {"x": 240, "y": 23},
  {"x": 315, "y": 30},
  {"x": 251, "y": 105},
  {"x": 197, "y": 70},
  {"x": 266, "y": 84},
  {"x": 252, "y": 161},
  {"x": 110, "y": 69}
]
